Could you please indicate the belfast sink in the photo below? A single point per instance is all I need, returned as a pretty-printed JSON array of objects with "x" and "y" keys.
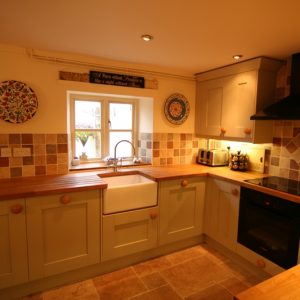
[{"x": 128, "y": 192}]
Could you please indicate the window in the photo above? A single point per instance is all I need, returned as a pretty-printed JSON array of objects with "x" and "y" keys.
[{"x": 98, "y": 124}]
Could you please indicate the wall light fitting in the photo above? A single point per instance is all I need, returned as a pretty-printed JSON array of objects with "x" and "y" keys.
[
  {"x": 147, "y": 37},
  {"x": 237, "y": 56}
]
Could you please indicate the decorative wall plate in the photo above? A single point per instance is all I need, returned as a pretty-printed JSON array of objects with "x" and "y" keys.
[
  {"x": 18, "y": 102},
  {"x": 177, "y": 109}
]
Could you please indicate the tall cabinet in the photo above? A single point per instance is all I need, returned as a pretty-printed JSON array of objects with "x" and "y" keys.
[{"x": 228, "y": 96}]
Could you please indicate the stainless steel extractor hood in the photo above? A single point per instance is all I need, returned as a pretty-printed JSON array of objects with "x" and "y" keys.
[{"x": 287, "y": 108}]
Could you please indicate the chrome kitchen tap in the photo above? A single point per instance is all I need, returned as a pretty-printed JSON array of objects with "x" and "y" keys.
[{"x": 115, "y": 166}]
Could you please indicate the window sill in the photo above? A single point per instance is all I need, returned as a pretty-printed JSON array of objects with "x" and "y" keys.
[{"x": 101, "y": 165}]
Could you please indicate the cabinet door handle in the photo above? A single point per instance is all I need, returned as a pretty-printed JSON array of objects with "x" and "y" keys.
[
  {"x": 235, "y": 192},
  {"x": 261, "y": 263},
  {"x": 153, "y": 215},
  {"x": 65, "y": 199},
  {"x": 223, "y": 131},
  {"x": 16, "y": 208},
  {"x": 184, "y": 183},
  {"x": 247, "y": 130}
]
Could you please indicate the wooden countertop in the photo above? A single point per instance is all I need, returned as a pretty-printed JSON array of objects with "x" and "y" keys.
[
  {"x": 14, "y": 188},
  {"x": 284, "y": 286}
]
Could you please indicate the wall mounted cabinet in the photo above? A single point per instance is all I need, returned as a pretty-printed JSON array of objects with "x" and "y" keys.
[
  {"x": 228, "y": 96},
  {"x": 181, "y": 209}
]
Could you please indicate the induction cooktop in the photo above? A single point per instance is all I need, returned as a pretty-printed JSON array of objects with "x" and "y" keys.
[{"x": 278, "y": 183}]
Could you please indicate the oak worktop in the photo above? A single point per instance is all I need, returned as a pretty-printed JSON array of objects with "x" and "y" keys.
[
  {"x": 13, "y": 188},
  {"x": 284, "y": 286}
]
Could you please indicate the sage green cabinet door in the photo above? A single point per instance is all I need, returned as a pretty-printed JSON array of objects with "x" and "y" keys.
[
  {"x": 13, "y": 244},
  {"x": 221, "y": 212},
  {"x": 129, "y": 232},
  {"x": 181, "y": 205},
  {"x": 63, "y": 232}
]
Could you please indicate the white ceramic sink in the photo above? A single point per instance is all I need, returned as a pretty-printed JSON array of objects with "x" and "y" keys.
[{"x": 128, "y": 192}]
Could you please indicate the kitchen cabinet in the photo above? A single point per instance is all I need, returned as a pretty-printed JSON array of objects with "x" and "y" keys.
[
  {"x": 129, "y": 232},
  {"x": 63, "y": 232},
  {"x": 181, "y": 203},
  {"x": 13, "y": 245},
  {"x": 227, "y": 97},
  {"x": 221, "y": 212}
]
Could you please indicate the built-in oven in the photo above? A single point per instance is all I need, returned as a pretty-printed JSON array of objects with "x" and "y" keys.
[{"x": 270, "y": 226}]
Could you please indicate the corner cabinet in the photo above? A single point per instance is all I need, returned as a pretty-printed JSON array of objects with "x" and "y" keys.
[
  {"x": 181, "y": 205},
  {"x": 228, "y": 96},
  {"x": 63, "y": 232},
  {"x": 221, "y": 212},
  {"x": 129, "y": 232},
  {"x": 13, "y": 244}
]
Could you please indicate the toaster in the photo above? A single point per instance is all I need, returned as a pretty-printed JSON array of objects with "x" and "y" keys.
[{"x": 213, "y": 157}]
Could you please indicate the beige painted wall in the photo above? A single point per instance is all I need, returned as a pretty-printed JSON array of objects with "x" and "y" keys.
[{"x": 51, "y": 117}]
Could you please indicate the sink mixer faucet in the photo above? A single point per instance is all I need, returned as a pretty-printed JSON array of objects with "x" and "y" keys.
[{"x": 115, "y": 166}]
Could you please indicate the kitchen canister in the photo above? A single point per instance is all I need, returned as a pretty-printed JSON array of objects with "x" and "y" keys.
[{"x": 238, "y": 161}]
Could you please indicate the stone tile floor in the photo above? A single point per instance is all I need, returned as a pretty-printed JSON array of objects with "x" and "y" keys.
[{"x": 196, "y": 273}]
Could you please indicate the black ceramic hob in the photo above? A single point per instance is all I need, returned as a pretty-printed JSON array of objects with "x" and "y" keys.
[{"x": 278, "y": 183}]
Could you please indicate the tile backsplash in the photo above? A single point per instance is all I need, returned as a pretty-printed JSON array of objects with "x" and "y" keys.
[
  {"x": 24, "y": 155},
  {"x": 284, "y": 156},
  {"x": 169, "y": 148}
]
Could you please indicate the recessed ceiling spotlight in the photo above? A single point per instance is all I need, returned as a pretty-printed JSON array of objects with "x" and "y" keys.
[
  {"x": 237, "y": 56},
  {"x": 147, "y": 37}
]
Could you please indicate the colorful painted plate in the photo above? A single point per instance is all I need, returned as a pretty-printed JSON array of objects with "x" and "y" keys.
[
  {"x": 177, "y": 109},
  {"x": 18, "y": 102}
]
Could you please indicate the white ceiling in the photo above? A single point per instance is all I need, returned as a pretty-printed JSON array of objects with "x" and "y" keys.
[{"x": 189, "y": 35}]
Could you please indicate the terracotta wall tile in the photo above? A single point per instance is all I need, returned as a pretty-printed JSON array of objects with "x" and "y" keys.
[
  {"x": 28, "y": 160},
  {"x": 4, "y": 172},
  {"x": 15, "y": 161},
  {"x": 4, "y": 162},
  {"x": 28, "y": 171},
  {"x": 62, "y": 139},
  {"x": 62, "y": 148},
  {"x": 14, "y": 139},
  {"x": 51, "y": 149},
  {"x": 39, "y": 149},
  {"x": 51, "y": 169},
  {"x": 16, "y": 172},
  {"x": 3, "y": 139},
  {"x": 40, "y": 170},
  {"x": 27, "y": 139},
  {"x": 51, "y": 138},
  {"x": 51, "y": 159},
  {"x": 39, "y": 139}
]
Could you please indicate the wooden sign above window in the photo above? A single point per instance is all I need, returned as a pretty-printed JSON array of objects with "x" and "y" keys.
[{"x": 117, "y": 79}]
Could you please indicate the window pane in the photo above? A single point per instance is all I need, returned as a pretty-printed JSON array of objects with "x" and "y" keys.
[
  {"x": 88, "y": 142},
  {"x": 87, "y": 114},
  {"x": 124, "y": 149},
  {"x": 120, "y": 116}
]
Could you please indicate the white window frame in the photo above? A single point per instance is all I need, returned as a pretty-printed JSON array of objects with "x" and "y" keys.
[{"x": 105, "y": 130}]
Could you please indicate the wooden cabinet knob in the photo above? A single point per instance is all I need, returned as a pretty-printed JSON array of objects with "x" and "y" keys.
[
  {"x": 184, "y": 183},
  {"x": 235, "y": 192},
  {"x": 261, "y": 263},
  {"x": 65, "y": 199},
  {"x": 16, "y": 208},
  {"x": 153, "y": 215},
  {"x": 223, "y": 131},
  {"x": 247, "y": 130}
]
